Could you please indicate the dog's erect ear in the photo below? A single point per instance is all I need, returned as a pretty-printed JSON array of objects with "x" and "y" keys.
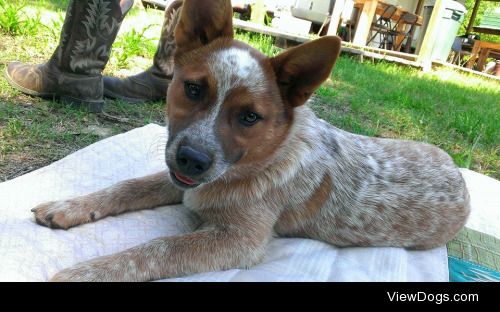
[
  {"x": 201, "y": 22},
  {"x": 301, "y": 70}
]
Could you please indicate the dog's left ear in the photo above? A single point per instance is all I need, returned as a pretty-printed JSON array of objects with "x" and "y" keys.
[
  {"x": 301, "y": 70},
  {"x": 201, "y": 22}
]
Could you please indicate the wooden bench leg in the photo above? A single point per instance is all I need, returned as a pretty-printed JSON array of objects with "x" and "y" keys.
[
  {"x": 482, "y": 59},
  {"x": 474, "y": 54},
  {"x": 409, "y": 41},
  {"x": 400, "y": 29}
]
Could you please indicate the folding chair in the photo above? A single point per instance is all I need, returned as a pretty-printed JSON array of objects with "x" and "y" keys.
[
  {"x": 407, "y": 19},
  {"x": 383, "y": 27}
]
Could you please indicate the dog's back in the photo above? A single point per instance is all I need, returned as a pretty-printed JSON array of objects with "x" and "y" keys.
[{"x": 369, "y": 191}]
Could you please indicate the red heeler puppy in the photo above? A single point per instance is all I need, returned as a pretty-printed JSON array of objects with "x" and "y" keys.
[{"x": 253, "y": 161}]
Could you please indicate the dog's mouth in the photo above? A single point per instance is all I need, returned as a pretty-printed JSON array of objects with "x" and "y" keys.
[{"x": 183, "y": 180}]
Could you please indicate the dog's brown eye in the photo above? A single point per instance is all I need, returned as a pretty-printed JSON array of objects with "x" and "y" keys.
[
  {"x": 193, "y": 91},
  {"x": 249, "y": 118}
]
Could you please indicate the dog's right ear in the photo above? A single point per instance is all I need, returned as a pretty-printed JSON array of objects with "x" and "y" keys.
[
  {"x": 302, "y": 69},
  {"x": 201, "y": 22}
]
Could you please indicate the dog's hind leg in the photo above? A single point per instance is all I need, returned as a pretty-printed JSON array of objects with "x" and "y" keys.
[{"x": 135, "y": 194}]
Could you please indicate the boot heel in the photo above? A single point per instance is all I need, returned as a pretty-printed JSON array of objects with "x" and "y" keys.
[{"x": 89, "y": 106}]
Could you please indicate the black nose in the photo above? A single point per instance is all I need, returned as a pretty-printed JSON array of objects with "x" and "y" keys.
[{"x": 192, "y": 162}]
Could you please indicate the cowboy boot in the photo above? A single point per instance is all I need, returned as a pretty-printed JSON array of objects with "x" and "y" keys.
[
  {"x": 73, "y": 73},
  {"x": 151, "y": 84}
]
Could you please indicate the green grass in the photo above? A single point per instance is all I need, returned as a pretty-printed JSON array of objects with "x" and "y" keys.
[
  {"x": 260, "y": 42},
  {"x": 457, "y": 112},
  {"x": 133, "y": 43},
  {"x": 15, "y": 21}
]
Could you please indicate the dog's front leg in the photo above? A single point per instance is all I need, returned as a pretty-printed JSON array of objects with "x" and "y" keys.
[
  {"x": 142, "y": 193},
  {"x": 201, "y": 251}
]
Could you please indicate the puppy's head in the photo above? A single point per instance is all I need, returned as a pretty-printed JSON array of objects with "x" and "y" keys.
[{"x": 228, "y": 104}]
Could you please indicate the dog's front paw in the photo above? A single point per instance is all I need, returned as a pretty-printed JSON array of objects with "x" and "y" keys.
[{"x": 63, "y": 214}]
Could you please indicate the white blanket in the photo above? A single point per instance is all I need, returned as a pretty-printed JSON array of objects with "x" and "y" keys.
[{"x": 29, "y": 252}]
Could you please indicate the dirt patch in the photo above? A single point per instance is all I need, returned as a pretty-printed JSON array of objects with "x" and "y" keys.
[{"x": 17, "y": 168}]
